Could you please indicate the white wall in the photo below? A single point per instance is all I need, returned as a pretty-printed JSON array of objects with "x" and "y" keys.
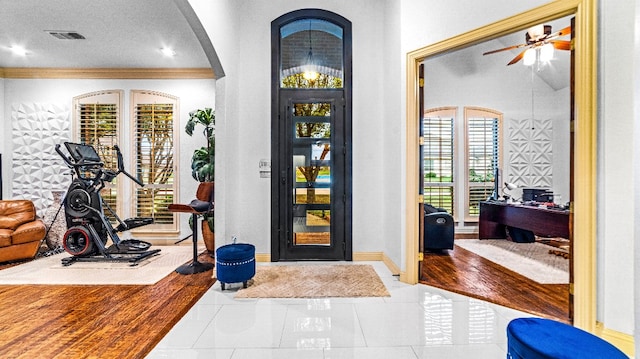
[
  {"x": 636, "y": 176},
  {"x": 192, "y": 94},
  {"x": 393, "y": 201},
  {"x": 616, "y": 185}
]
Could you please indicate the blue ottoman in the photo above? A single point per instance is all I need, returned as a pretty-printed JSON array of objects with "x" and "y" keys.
[
  {"x": 235, "y": 263},
  {"x": 536, "y": 338}
]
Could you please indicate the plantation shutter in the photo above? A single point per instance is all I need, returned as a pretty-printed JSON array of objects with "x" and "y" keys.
[
  {"x": 437, "y": 157},
  {"x": 97, "y": 122},
  {"x": 483, "y": 148},
  {"x": 154, "y": 117}
]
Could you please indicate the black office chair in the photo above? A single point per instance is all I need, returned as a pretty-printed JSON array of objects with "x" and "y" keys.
[{"x": 438, "y": 229}]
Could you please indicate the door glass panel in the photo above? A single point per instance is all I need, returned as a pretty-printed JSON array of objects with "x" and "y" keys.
[
  {"x": 321, "y": 196},
  {"x": 311, "y": 54},
  {"x": 311, "y": 165}
]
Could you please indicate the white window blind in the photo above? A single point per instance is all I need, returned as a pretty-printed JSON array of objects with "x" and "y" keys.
[
  {"x": 483, "y": 128},
  {"x": 153, "y": 143},
  {"x": 438, "y": 157},
  {"x": 97, "y": 121}
]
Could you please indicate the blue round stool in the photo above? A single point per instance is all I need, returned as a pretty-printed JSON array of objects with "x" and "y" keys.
[
  {"x": 537, "y": 338},
  {"x": 235, "y": 263}
]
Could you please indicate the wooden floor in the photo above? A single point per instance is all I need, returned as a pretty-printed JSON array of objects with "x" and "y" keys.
[
  {"x": 112, "y": 321},
  {"x": 466, "y": 273}
]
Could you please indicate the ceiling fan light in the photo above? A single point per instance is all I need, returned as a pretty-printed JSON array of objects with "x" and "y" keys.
[
  {"x": 529, "y": 57},
  {"x": 546, "y": 52}
]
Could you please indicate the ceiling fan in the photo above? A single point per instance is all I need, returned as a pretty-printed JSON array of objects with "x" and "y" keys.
[{"x": 538, "y": 39}]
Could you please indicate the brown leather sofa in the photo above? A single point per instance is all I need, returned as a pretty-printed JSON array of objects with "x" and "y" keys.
[{"x": 20, "y": 230}]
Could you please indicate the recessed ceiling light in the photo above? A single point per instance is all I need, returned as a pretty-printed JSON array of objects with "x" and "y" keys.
[
  {"x": 18, "y": 50},
  {"x": 167, "y": 51}
]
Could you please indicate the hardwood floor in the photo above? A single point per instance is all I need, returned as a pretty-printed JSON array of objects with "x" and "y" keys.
[
  {"x": 113, "y": 321},
  {"x": 466, "y": 273}
]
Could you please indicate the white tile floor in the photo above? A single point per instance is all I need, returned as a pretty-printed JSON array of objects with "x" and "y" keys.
[{"x": 416, "y": 322}]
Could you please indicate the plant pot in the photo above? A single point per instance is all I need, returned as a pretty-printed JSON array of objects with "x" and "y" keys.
[{"x": 209, "y": 239}]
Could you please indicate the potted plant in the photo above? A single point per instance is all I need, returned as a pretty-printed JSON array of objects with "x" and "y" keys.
[{"x": 203, "y": 164}]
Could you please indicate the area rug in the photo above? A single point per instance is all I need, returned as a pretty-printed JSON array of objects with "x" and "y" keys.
[
  {"x": 531, "y": 260},
  {"x": 314, "y": 281},
  {"x": 49, "y": 270}
]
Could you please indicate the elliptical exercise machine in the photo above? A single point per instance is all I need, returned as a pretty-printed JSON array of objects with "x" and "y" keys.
[{"x": 88, "y": 229}]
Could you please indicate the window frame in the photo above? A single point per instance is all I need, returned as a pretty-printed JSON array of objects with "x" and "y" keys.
[
  {"x": 103, "y": 97},
  {"x": 138, "y": 97},
  {"x": 449, "y": 112},
  {"x": 479, "y": 112}
]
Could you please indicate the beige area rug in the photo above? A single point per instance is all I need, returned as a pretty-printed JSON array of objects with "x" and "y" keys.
[
  {"x": 531, "y": 260},
  {"x": 314, "y": 281},
  {"x": 49, "y": 270}
]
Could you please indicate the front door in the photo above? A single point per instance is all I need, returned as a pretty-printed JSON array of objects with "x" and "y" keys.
[{"x": 312, "y": 175}]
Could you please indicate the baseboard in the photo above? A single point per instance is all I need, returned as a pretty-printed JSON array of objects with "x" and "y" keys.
[
  {"x": 357, "y": 257},
  {"x": 367, "y": 256},
  {"x": 395, "y": 270},
  {"x": 622, "y": 341},
  {"x": 263, "y": 257}
]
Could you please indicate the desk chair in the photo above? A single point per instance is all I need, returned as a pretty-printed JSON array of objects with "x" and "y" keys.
[{"x": 202, "y": 204}]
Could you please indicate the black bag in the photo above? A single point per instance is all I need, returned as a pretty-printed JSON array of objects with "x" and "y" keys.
[{"x": 519, "y": 235}]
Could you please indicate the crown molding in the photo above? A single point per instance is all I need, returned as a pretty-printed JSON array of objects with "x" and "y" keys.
[{"x": 105, "y": 73}]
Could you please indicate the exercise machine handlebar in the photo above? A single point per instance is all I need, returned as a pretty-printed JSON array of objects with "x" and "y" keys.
[{"x": 121, "y": 167}]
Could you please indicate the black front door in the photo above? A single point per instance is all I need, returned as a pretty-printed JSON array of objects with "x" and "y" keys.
[{"x": 310, "y": 210}]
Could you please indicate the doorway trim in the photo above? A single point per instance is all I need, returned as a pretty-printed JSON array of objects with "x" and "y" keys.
[{"x": 583, "y": 206}]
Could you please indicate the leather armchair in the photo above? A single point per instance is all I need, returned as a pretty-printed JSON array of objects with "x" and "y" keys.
[
  {"x": 21, "y": 232},
  {"x": 438, "y": 229}
]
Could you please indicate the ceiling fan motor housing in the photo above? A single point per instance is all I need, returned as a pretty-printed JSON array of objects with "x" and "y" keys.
[{"x": 534, "y": 35}]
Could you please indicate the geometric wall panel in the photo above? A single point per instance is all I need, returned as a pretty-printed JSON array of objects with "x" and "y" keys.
[
  {"x": 531, "y": 153},
  {"x": 37, "y": 169}
]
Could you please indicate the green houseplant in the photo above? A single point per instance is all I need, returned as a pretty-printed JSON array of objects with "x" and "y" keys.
[{"x": 203, "y": 163}]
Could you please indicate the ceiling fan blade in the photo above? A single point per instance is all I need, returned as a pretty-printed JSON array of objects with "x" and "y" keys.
[
  {"x": 563, "y": 32},
  {"x": 517, "y": 58},
  {"x": 561, "y": 44},
  {"x": 505, "y": 49}
]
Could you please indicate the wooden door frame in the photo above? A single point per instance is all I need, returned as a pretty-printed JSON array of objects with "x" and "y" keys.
[{"x": 583, "y": 205}]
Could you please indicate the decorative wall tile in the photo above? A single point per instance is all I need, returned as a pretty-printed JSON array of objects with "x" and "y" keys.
[
  {"x": 530, "y": 159},
  {"x": 37, "y": 169}
]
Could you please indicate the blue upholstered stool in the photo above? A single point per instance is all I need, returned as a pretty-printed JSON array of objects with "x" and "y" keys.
[
  {"x": 235, "y": 263},
  {"x": 536, "y": 338}
]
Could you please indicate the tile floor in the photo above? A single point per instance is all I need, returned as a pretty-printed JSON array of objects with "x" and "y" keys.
[{"x": 416, "y": 322}]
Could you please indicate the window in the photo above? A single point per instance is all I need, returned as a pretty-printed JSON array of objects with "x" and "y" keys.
[
  {"x": 153, "y": 139},
  {"x": 99, "y": 120},
  {"x": 98, "y": 117},
  {"x": 437, "y": 158},
  {"x": 482, "y": 129}
]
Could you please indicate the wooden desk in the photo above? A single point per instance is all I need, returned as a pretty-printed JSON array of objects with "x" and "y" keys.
[{"x": 495, "y": 216}]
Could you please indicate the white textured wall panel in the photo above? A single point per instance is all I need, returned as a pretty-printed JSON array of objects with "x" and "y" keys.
[{"x": 37, "y": 169}]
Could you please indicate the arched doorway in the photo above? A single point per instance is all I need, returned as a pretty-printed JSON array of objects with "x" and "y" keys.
[{"x": 311, "y": 136}]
